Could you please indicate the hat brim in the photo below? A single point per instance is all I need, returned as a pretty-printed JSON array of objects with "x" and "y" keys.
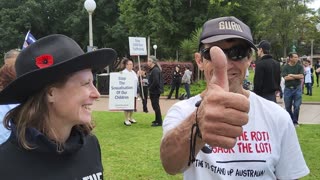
[
  {"x": 16, "y": 92},
  {"x": 213, "y": 39}
]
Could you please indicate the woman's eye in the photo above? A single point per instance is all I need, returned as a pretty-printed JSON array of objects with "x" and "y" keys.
[{"x": 86, "y": 83}]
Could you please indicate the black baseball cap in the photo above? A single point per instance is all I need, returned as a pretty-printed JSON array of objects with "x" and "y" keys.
[
  {"x": 225, "y": 28},
  {"x": 265, "y": 45}
]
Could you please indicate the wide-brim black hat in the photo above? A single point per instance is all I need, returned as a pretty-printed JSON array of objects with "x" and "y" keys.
[{"x": 46, "y": 61}]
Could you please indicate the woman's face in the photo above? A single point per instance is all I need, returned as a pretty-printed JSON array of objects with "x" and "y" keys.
[
  {"x": 150, "y": 62},
  {"x": 129, "y": 65},
  {"x": 71, "y": 103}
]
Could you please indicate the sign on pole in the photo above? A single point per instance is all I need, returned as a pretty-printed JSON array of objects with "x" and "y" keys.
[
  {"x": 121, "y": 91},
  {"x": 138, "y": 46}
]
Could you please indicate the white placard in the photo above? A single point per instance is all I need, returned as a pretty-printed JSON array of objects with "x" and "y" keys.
[
  {"x": 138, "y": 46},
  {"x": 121, "y": 91}
]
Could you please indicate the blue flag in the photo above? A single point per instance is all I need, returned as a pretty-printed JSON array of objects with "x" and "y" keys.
[{"x": 28, "y": 40}]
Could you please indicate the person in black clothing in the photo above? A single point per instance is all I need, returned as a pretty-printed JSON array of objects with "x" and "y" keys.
[
  {"x": 155, "y": 88},
  {"x": 316, "y": 66},
  {"x": 267, "y": 75},
  {"x": 143, "y": 88},
  {"x": 51, "y": 127},
  {"x": 176, "y": 82}
]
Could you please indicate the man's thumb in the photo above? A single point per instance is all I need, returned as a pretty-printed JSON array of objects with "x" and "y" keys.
[{"x": 219, "y": 63}]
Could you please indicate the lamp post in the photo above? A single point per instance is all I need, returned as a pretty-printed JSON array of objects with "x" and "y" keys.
[
  {"x": 90, "y": 6},
  {"x": 155, "y": 50}
]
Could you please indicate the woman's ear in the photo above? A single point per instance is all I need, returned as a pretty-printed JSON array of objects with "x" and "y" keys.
[
  {"x": 50, "y": 94},
  {"x": 199, "y": 61}
]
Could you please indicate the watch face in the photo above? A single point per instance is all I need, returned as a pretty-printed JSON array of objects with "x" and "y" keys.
[{"x": 206, "y": 149}]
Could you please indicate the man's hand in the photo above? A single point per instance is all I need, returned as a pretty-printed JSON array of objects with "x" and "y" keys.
[{"x": 222, "y": 113}]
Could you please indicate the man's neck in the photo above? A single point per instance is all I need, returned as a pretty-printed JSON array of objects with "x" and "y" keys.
[{"x": 292, "y": 63}]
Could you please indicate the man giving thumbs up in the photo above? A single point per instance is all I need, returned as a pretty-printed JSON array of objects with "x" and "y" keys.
[{"x": 227, "y": 132}]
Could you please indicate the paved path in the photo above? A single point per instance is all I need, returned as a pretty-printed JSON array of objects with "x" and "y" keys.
[{"x": 309, "y": 112}]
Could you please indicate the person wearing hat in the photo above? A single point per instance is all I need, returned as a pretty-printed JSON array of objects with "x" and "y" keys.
[
  {"x": 175, "y": 82},
  {"x": 267, "y": 74},
  {"x": 227, "y": 132},
  {"x": 51, "y": 127}
]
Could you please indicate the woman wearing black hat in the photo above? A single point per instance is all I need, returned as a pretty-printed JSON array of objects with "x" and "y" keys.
[{"x": 51, "y": 128}]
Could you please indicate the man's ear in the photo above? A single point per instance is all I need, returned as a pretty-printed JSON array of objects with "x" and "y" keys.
[
  {"x": 199, "y": 61},
  {"x": 249, "y": 60}
]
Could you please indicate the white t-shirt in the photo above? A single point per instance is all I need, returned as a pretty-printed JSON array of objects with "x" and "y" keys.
[
  {"x": 267, "y": 149},
  {"x": 135, "y": 80}
]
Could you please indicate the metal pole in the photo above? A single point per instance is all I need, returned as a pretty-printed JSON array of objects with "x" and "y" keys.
[
  {"x": 141, "y": 86},
  {"x": 90, "y": 30},
  {"x": 148, "y": 47},
  {"x": 311, "y": 51}
]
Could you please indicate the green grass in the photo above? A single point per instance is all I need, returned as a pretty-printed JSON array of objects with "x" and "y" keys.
[
  {"x": 195, "y": 88},
  {"x": 130, "y": 152},
  {"x": 309, "y": 138},
  {"x": 133, "y": 152}
]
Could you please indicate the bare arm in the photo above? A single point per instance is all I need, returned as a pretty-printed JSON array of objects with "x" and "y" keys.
[
  {"x": 296, "y": 76},
  {"x": 288, "y": 78},
  {"x": 175, "y": 147}
]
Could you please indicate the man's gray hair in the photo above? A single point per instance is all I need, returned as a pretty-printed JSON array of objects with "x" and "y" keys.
[
  {"x": 155, "y": 61},
  {"x": 13, "y": 53}
]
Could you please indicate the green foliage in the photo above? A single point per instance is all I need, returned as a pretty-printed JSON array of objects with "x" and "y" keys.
[
  {"x": 133, "y": 152},
  {"x": 166, "y": 22},
  {"x": 190, "y": 46},
  {"x": 187, "y": 50}
]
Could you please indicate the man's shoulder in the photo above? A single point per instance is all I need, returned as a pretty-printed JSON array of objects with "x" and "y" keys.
[
  {"x": 154, "y": 70},
  {"x": 184, "y": 104},
  {"x": 268, "y": 106}
]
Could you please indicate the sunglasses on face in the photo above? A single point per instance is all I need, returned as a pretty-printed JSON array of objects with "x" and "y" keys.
[{"x": 235, "y": 53}]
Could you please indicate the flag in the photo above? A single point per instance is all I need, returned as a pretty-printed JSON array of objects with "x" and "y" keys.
[{"x": 28, "y": 40}]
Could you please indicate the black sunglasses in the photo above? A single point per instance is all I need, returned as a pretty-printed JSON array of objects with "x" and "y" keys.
[{"x": 235, "y": 53}]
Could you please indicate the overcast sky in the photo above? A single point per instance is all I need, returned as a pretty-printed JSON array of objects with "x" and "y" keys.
[{"x": 315, "y": 4}]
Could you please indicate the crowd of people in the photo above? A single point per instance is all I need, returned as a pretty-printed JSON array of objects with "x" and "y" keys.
[{"x": 224, "y": 132}]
